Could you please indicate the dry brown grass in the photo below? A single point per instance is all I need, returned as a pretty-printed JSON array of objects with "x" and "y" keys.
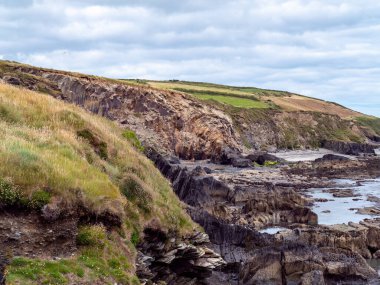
[{"x": 300, "y": 103}]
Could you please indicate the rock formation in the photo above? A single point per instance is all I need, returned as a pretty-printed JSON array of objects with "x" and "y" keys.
[
  {"x": 172, "y": 122},
  {"x": 349, "y": 147}
]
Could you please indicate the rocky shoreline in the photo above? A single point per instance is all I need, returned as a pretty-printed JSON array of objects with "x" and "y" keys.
[{"x": 233, "y": 203}]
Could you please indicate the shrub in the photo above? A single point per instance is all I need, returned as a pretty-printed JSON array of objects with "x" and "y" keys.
[
  {"x": 39, "y": 199},
  {"x": 94, "y": 235},
  {"x": 135, "y": 237},
  {"x": 133, "y": 139},
  {"x": 9, "y": 195},
  {"x": 99, "y": 146},
  {"x": 134, "y": 191}
]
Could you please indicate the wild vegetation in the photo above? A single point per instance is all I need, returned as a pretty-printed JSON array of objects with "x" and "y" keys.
[
  {"x": 50, "y": 149},
  {"x": 372, "y": 123}
]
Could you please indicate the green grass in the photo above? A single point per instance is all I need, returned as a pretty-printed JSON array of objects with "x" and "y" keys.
[
  {"x": 203, "y": 86},
  {"x": 234, "y": 101},
  {"x": 241, "y": 97},
  {"x": 133, "y": 139}
]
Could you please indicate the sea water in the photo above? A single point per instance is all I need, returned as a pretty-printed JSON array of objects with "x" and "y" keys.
[{"x": 339, "y": 210}]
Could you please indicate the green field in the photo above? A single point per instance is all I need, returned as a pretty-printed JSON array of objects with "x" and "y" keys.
[
  {"x": 241, "y": 97},
  {"x": 233, "y": 101},
  {"x": 201, "y": 86}
]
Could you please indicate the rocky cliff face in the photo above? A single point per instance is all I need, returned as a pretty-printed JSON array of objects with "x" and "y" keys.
[
  {"x": 273, "y": 129},
  {"x": 172, "y": 122},
  {"x": 175, "y": 122}
]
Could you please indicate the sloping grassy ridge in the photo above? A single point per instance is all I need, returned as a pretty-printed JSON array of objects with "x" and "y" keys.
[{"x": 50, "y": 149}]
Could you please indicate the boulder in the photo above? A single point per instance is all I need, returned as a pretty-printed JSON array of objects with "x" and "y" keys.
[
  {"x": 261, "y": 157},
  {"x": 234, "y": 158},
  {"x": 332, "y": 157}
]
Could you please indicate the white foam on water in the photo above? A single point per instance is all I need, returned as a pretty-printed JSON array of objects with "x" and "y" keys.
[
  {"x": 273, "y": 230},
  {"x": 306, "y": 155}
]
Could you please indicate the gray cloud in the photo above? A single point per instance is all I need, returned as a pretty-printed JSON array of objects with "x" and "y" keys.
[{"x": 327, "y": 49}]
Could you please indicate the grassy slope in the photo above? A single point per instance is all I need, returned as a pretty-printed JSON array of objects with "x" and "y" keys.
[
  {"x": 45, "y": 147},
  {"x": 264, "y": 98},
  {"x": 372, "y": 123}
]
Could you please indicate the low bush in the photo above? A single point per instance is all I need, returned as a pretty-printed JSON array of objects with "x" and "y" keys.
[
  {"x": 100, "y": 147},
  {"x": 39, "y": 199},
  {"x": 133, "y": 139},
  {"x": 9, "y": 195},
  {"x": 94, "y": 235}
]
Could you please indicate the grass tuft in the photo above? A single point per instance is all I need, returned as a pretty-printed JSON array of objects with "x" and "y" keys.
[{"x": 133, "y": 139}]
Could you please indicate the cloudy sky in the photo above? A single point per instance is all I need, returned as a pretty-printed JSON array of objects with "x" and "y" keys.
[{"x": 327, "y": 49}]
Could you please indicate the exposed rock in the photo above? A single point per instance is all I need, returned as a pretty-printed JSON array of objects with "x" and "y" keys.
[
  {"x": 172, "y": 121},
  {"x": 321, "y": 200},
  {"x": 350, "y": 148},
  {"x": 369, "y": 211},
  {"x": 276, "y": 265},
  {"x": 377, "y": 254},
  {"x": 374, "y": 138},
  {"x": 261, "y": 157},
  {"x": 12, "y": 80},
  {"x": 165, "y": 257},
  {"x": 314, "y": 277},
  {"x": 232, "y": 157},
  {"x": 341, "y": 193},
  {"x": 367, "y": 168},
  {"x": 53, "y": 210},
  {"x": 264, "y": 268},
  {"x": 25, "y": 234},
  {"x": 332, "y": 157}
]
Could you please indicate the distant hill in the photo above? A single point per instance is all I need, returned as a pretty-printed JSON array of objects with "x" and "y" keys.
[
  {"x": 199, "y": 120},
  {"x": 251, "y": 97}
]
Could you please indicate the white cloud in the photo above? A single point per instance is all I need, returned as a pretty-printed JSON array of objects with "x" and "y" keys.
[{"x": 328, "y": 49}]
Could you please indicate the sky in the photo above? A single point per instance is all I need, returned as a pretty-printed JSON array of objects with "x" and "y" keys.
[{"x": 326, "y": 49}]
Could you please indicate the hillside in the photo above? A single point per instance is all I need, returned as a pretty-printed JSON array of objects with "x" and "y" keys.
[
  {"x": 202, "y": 120},
  {"x": 75, "y": 194},
  {"x": 251, "y": 97}
]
